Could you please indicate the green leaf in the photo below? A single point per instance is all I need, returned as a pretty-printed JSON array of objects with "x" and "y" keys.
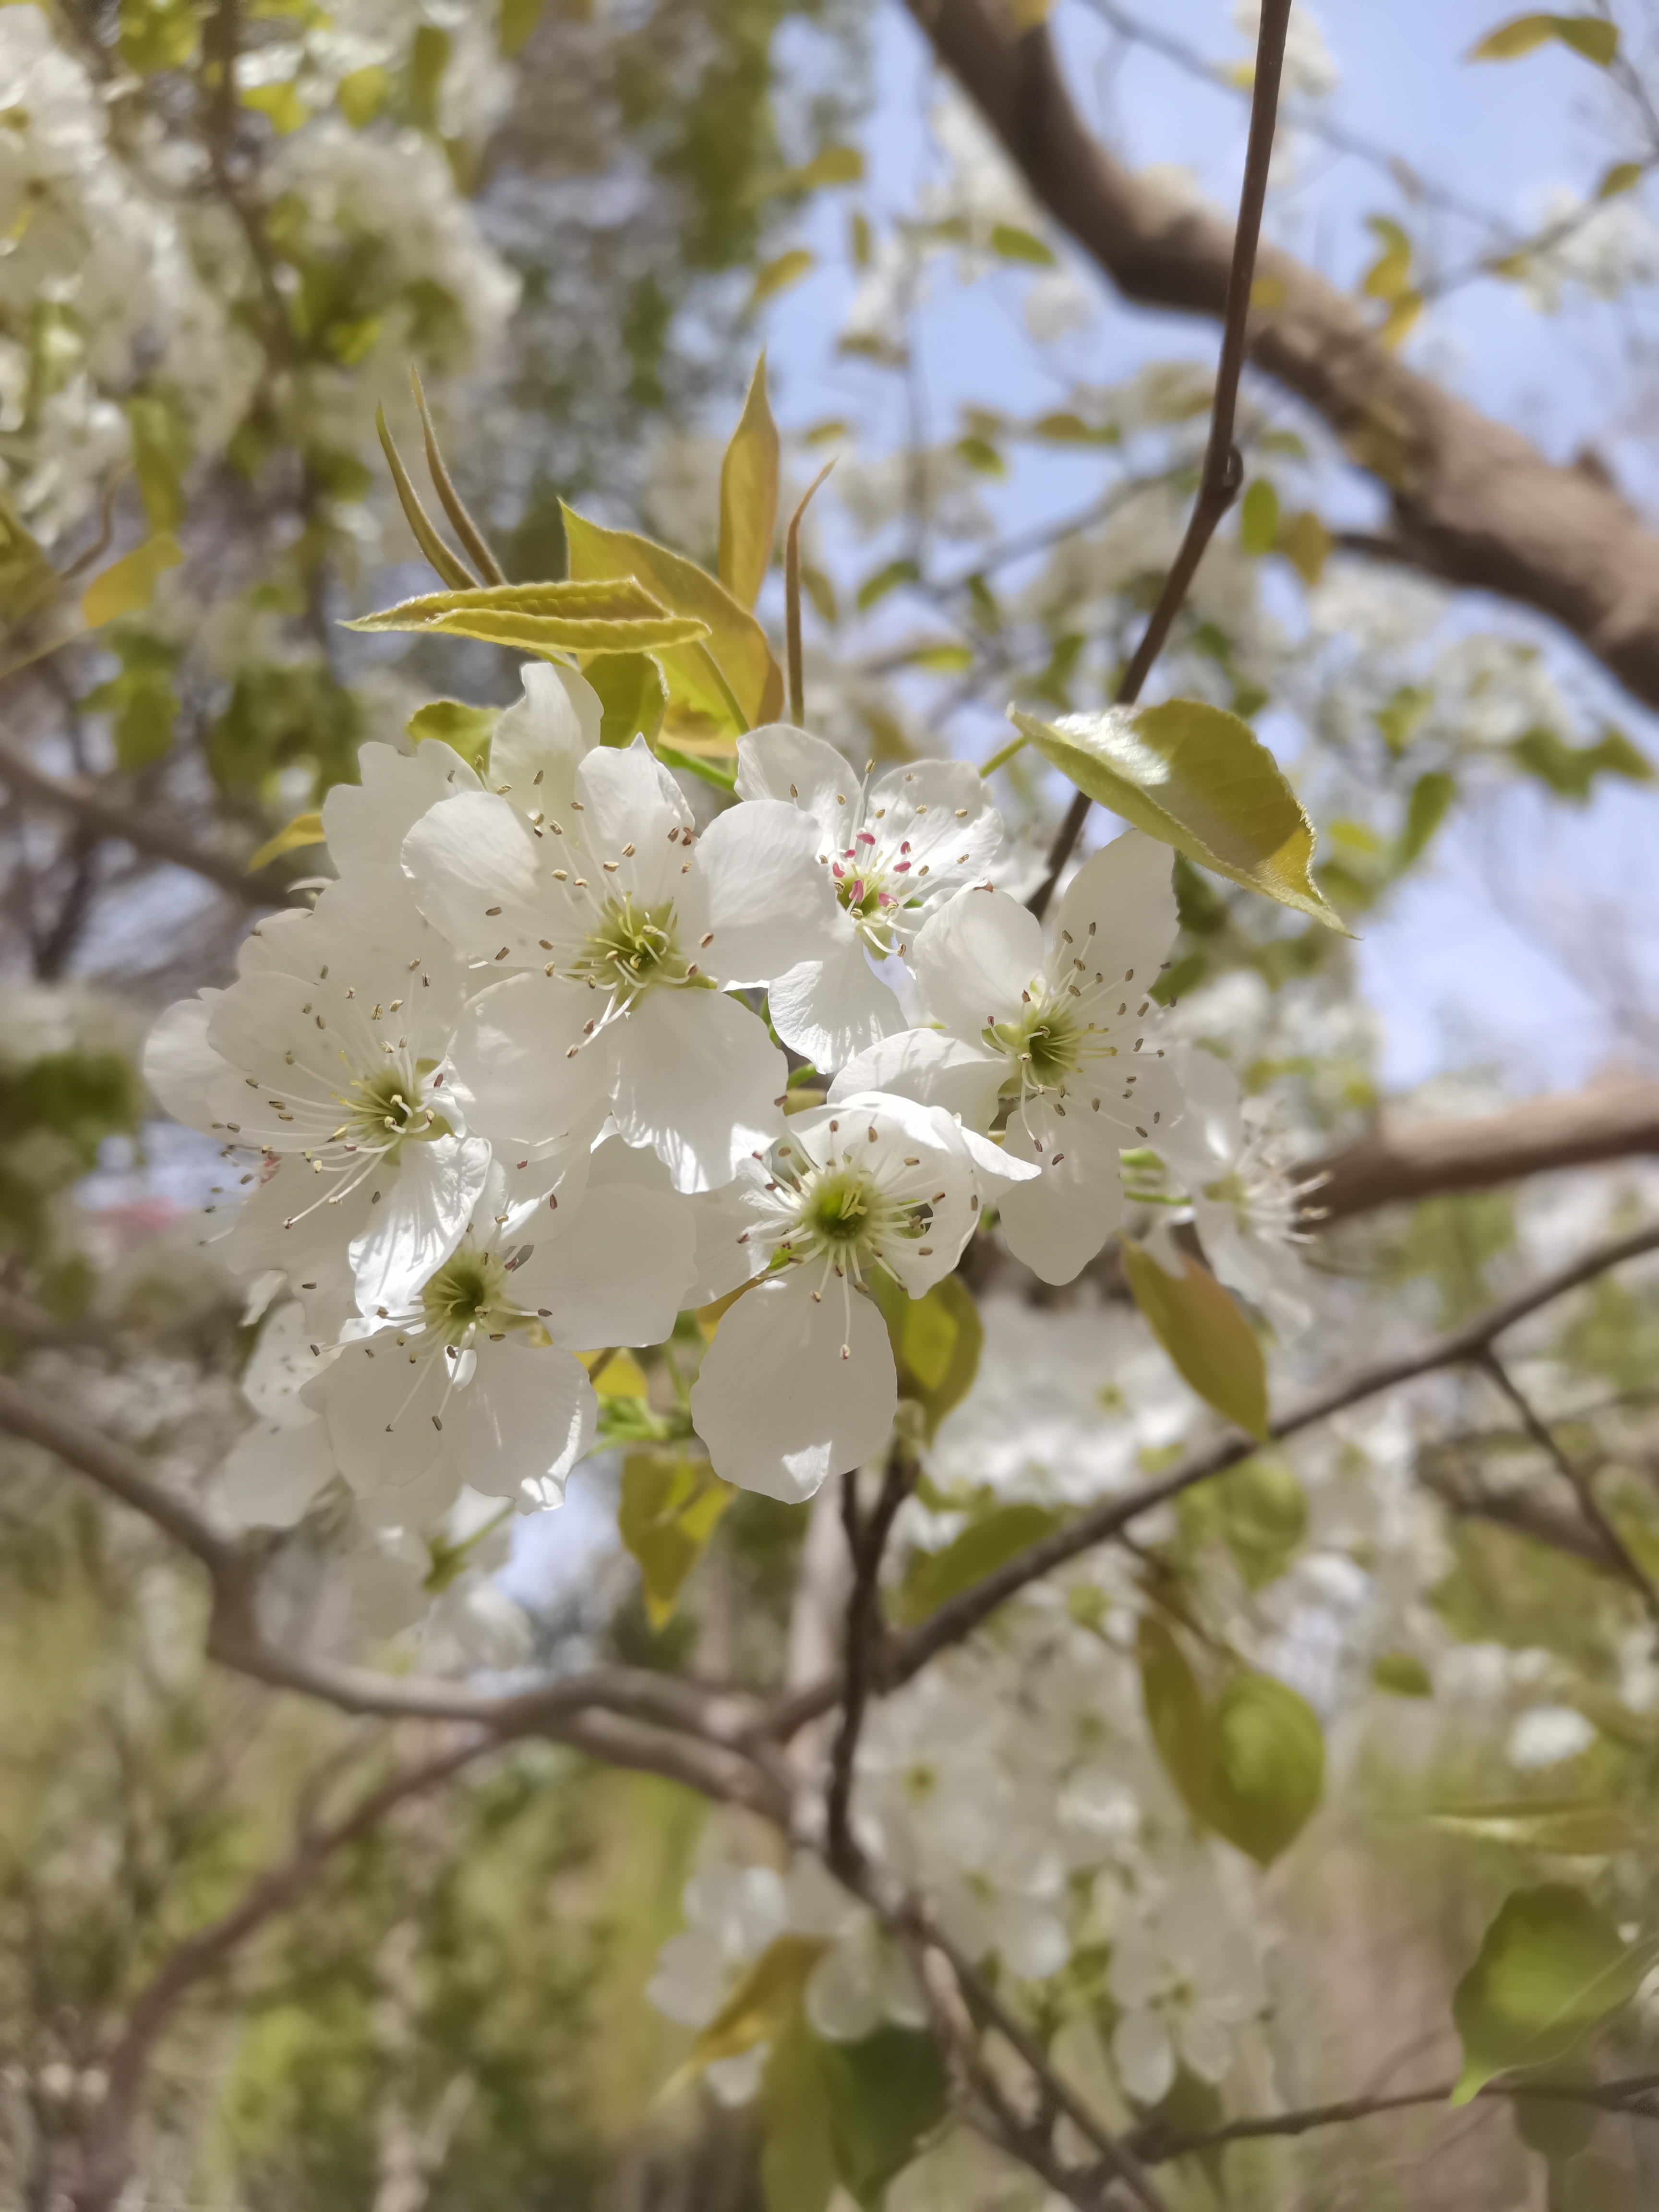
[
  {"x": 515, "y": 26},
  {"x": 281, "y": 104},
  {"x": 1176, "y": 1718},
  {"x": 1065, "y": 429},
  {"x": 1431, "y": 795},
  {"x": 633, "y": 696},
  {"x": 428, "y": 57},
  {"x": 1213, "y": 1348},
  {"x": 668, "y": 1511},
  {"x": 1258, "y": 517},
  {"x": 761, "y": 2002},
  {"x": 1306, "y": 544},
  {"x": 613, "y": 616},
  {"x": 161, "y": 449},
  {"x": 834, "y": 165},
  {"x": 1572, "y": 769},
  {"x": 735, "y": 640},
  {"x": 749, "y": 495},
  {"x": 465, "y": 730},
  {"x": 903, "y": 571},
  {"x": 1011, "y": 243},
  {"x": 27, "y": 579},
  {"x": 1260, "y": 1511},
  {"x": 157, "y": 34},
  {"x": 886, "y": 2095},
  {"x": 1198, "y": 779},
  {"x": 1549, "y": 1970},
  {"x": 982, "y": 456},
  {"x": 1592, "y": 36},
  {"x": 1620, "y": 177},
  {"x": 363, "y": 93},
  {"x": 1402, "y": 1674},
  {"x": 936, "y": 1340},
  {"x": 126, "y": 585},
  {"x": 1388, "y": 276},
  {"x": 774, "y": 276},
  {"x": 1572, "y": 1828},
  {"x": 304, "y": 829},
  {"x": 1558, "y": 2127},
  {"x": 798, "y": 2158},
  {"x": 1267, "y": 1766},
  {"x": 931, "y": 1577}
]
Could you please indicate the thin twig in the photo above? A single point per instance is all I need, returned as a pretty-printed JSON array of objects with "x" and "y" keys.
[
  {"x": 1223, "y": 467},
  {"x": 960, "y": 1616},
  {"x": 1612, "y": 1543},
  {"x": 864, "y": 1631}
]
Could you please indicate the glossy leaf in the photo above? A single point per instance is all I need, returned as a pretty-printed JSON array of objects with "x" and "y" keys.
[
  {"x": 1431, "y": 796},
  {"x": 668, "y": 1511},
  {"x": 1011, "y": 243},
  {"x": 127, "y": 586},
  {"x": 1572, "y": 1828},
  {"x": 1550, "y": 1969},
  {"x": 1592, "y": 36},
  {"x": 1258, "y": 517},
  {"x": 465, "y": 730},
  {"x": 304, "y": 829},
  {"x": 1213, "y": 1348},
  {"x": 749, "y": 495},
  {"x": 613, "y": 616},
  {"x": 885, "y": 2096},
  {"x": 735, "y": 640},
  {"x": 761, "y": 2002},
  {"x": 1267, "y": 1766},
  {"x": 936, "y": 1341},
  {"x": 1177, "y": 1719},
  {"x": 633, "y": 696},
  {"x": 1200, "y": 780}
]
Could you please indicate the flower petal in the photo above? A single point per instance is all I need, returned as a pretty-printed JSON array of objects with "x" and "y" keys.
[
  {"x": 767, "y": 901},
  {"x": 832, "y": 1009},
  {"x": 779, "y": 761},
  {"x": 366, "y": 821},
  {"x": 526, "y": 1417},
  {"x": 475, "y": 865},
  {"x": 1057, "y": 1223},
  {"x": 630, "y": 803},
  {"x": 417, "y": 1212},
  {"x": 542, "y": 737},
  {"x": 180, "y": 1066},
  {"x": 1126, "y": 894},
  {"x": 778, "y": 1405},
  {"x": 1145, "y": 2061},
  {"x": 614, "y": 1272},
  {"x": 975, "y": 958},
  {"x": 383, "y": 1402},
  {"x": 695, "y": 1076},
  {"x": 931, "y": 1067},
  {"x": 529, "y": 1075},
  {"x": 273, "y": 1472}
]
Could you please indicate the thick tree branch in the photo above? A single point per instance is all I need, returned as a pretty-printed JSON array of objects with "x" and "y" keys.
[
  {"x": 1474, "y": 503},
  {"x": 100, "y": 815},
  {"x": 1396, "y": 1162},
  {"x": 960, "y": 1616}
]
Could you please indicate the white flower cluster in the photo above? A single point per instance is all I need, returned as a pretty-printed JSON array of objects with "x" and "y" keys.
[{"x": 512, "y": 1092}]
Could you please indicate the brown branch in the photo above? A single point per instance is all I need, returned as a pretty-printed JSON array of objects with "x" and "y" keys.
[
  {"x": 630, "y": 1717},
  {"x": 1393, "y": 1162},
  {"x": 1223, "y": 472},
  {"x": 102, "y": 814},
  {"x": 107, "y": 2156},
  {"x": 860, "y": 1644},
  {"x": 960, "y": 1616},
  {"x": 1474, "y": 503}
]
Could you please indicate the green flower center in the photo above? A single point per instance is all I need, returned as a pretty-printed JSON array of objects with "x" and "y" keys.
[
  {"x": 631, "y": 948},
  {"x": 1046, "y": 1044},
  {"x": 845, "y": 1218},
  {"x": 468, "y": 1292},
  {"x": 385, "y": 1110}
]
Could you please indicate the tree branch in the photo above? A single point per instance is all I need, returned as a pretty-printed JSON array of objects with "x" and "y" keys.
[
  {"x": 1473, "y": 503},
  {"x": 103, "y": 816},
  {"x": 1222, "y": 472},
  {"x": 960, "y": 1616},
  {"x": 1394, "y": 1162}
]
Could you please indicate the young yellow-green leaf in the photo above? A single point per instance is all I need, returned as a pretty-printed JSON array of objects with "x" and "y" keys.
[
  {"x": 515, "y": 25},
  {"x": 161, "y": 449},
  {"x": 632, "y": 697},
  {"x": 774, "y": 276},
  {"x": 1572, "y": 1828},
  {"x": 931, "y": 1577},
  {"x": 465, "y": 730},
  {"x": 945, "y": 658},
  {"x": 127, "y": 585},
  {"x": 1389, "y": 275},
  {"x": 835, "y": 164},
  {"x": 304, "y": 829},
  {"x": 363, "y": 93},
  {"x": 615, "y": 1374},
  {"x": 613, "y": 615},
  {"x": 279, "y": 102},
  {"x": 981, "y": 457},
  {"x": 667, "y": 1513},
  {"x": 749, "y": 495},
  {"x": 798, "y": 2158},
  {"x": 736, "y": 640},
  {"x": 1620, "y": 177},
  {"x": 157, "y": 34},
  {"x": 887, "y": 579},
  {"x": 1266, "y": 1765},
  {"x": 1200, "y": 780},
  {"x": 1306, "y": 544},
  {"x": 936, "y": 1340},
  {"x": 1258, "y": 517},
  {"x": 1010, "y": 243},
  {"x": 1550, "y": 1969},
  {"x": 1592, "y": 36},
  {"x": 761, "y": 2003},
  {"x": 1260, "y": 1511},
  {"x": 1176, "y": 1718},
  {"x": 27, "y": 579},
  {"x": 1425, "y": 810},
  {"x": 1402, "y": 1674},
  {"x": 1212, "y": 1347},
  {"x": 1400, "y": 319}
]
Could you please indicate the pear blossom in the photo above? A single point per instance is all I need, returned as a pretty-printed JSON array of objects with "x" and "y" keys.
[
  {"x": 896, "y": 848},
  {"x": 799, "y": 1382},
  {"x": 329, "y": 1055},
  {"x": 275, "y": 1470},
  {"x": 1183, "y": 1980},
  {"x": 442, "y": 1582},
  {"x": 1246, "y": 1204},
  {"x": 474, "y": 1375},
  {"x": 628, "y": 929},
  {"x": 1060, "y": 1040},
  {"x": 732, "y": 1915}
]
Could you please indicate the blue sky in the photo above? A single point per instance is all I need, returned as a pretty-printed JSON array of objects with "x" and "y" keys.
[{"x": 1455, "y": 977}]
